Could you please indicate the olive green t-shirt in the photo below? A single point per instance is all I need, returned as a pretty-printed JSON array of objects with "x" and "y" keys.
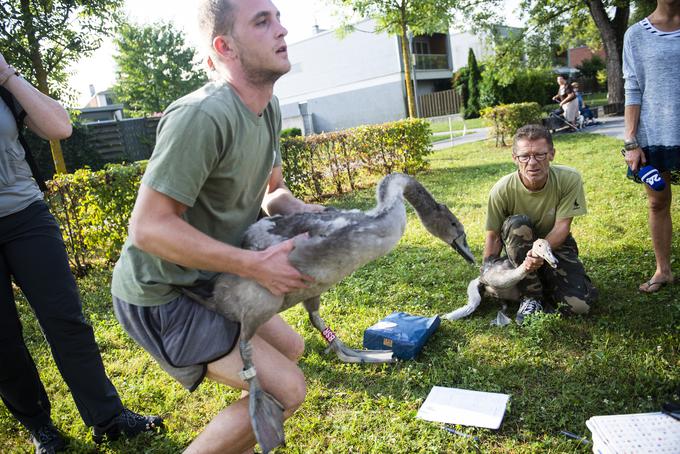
[
  {"x": 562, "y": 197},
  {"x": 215, "y": 156}
]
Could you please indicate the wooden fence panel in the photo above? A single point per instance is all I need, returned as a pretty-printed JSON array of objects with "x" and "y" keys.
[
  {"x": 131, "y": 139},
  {"x": 439, "y": 103}
]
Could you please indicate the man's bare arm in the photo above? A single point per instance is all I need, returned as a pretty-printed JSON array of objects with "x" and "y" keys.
[
  {"x": 157, "y": 227},
  {"x": 559, "y": 232},
  {"x": 279, "y": 199},
  {"x": 492, "y": 244}
]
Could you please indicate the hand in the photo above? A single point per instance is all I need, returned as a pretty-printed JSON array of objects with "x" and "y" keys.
[
  {"x": 274, "y": 271},
  {"x": 532, "y": 263},
  {"x": 3, "y": 62},
  {"x": 312, "y": 208},
  {"x": 635, "y": 159}
]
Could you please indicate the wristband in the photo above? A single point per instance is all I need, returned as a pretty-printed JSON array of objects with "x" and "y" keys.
[
  {"x": 6, "y": 73},
  {"x": 630, "y": 145}
]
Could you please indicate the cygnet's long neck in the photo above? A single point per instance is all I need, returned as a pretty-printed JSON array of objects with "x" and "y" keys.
[
  {"x": 396, "y": 186},
  {"x": 390, "y": 190},
  {"x": 419, "y": 197},
  {"x": 504, "y": 278}
]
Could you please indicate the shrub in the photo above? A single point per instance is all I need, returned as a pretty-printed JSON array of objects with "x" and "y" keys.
[
  {"x": 530, "y": 85},
  {"x": 590, "y": 67},
  {"x": 601, "y": 77},
  {"x": 333, "y": 163},
  {"x": 291, "y": 132},
  {"x": 460, "y": 82},
  {"x": 491, "y": 92},
  {"x": 507, "y": 118},
  {"x": 93, "y": 209}
]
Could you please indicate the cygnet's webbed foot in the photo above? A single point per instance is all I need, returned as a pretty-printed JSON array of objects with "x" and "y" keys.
[
  {"x": 348, "y": 355},
  {"x": 266, "y": 416}
]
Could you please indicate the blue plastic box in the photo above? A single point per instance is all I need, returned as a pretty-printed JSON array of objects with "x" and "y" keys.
[{"x": 402, "y": 333}]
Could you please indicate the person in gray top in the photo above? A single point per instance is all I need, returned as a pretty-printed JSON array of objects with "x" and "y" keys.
[
  {"x": 32, "y": 254},
  {"x": 651, "y": 58}
]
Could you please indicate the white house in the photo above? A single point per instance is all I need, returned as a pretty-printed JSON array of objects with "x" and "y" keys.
[{"x": 339, "y": 83}]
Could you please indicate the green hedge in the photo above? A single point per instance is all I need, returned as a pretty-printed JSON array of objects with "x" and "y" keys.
[
  {"x": 94, "y": 207},
  {"x": 508, "y": 118},
  {"x": 336, "y": 162}
]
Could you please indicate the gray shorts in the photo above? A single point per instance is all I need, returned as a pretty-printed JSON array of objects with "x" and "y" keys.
[{"x": 182, "y": 336}]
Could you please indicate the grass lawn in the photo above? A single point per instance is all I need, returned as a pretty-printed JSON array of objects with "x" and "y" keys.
[
  {"x": 457, "y": 125},
  {"x": 596, "y": 99},
  {"x": 622, "y": 358}
]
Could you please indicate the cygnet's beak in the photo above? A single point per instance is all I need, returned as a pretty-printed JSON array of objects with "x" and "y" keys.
[
  {"x": 549, "y": 258},
  {"x": 461, "y": 246}
]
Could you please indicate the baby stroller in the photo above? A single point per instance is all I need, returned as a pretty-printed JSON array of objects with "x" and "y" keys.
[{"x": 557, "y": 123}]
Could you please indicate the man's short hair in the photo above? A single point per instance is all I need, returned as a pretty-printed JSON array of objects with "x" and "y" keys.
[
  {"x": 215, "y": 17},
  {"x": 532, "y": 132}
]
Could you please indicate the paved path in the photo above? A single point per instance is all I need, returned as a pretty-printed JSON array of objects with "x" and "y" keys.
[
  {"x": 608, "y": 126},
  {"x": 473, "y": 135}
]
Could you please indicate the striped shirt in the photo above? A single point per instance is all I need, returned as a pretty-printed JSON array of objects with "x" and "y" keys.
[{"x": 651, "y": 69}]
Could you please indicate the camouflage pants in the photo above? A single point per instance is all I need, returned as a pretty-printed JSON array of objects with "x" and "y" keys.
[{"x": 567, "y": 286}]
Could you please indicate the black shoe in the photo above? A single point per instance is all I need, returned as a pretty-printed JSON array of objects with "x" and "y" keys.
[
  {"x": 527, "y": 307},
  {"x": 47, "y": 439},
  {"x": 127, "y": 422}
]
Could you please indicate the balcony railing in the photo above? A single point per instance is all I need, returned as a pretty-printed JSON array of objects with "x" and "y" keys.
[{"x": 432, "y": 61}]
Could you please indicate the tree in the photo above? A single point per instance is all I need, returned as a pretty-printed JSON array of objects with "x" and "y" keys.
[
  {"x": 460, "y": 82},
  {"x": 611, "y": 17},
  {"x": 399, "y": 17},
  {"x": 155, "y": 67},
  {"x": 472, "y": 107},
  {"x": 42, "y": 38}
]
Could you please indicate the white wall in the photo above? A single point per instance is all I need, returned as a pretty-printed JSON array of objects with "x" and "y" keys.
[
  {"x": 461, "y": 43},
  {"x": 325, "y": 65}
]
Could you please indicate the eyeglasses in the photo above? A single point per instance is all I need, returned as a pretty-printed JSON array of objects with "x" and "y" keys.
[{"x": 524, "y": 158}]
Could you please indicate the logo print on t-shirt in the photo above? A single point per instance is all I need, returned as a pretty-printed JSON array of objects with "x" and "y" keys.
[{"x": 576, "y": 205}]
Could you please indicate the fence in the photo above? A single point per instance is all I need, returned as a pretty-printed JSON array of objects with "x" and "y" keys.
[
  {"x": 131, "y": 139},
  {"x": 440, "y": 103}
]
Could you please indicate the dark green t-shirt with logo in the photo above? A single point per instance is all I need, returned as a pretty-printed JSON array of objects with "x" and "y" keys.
[
  {"x": 215, "y": 156},
  {"x": 562, "y": 197}
]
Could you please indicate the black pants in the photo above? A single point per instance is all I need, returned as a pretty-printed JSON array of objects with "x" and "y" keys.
[{"x": 32, "y": 252}]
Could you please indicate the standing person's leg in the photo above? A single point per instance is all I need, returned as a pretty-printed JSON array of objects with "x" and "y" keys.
[
  {"x": 20, "y": 386},
  {"x": 661, "y": 228},
  {"x": 230, "y": 431},
  {"x": 568, "y": 285},
  {"x": 38, "y": 261}
]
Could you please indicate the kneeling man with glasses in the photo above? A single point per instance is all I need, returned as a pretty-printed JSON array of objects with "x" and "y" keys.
[{"x": 539, "y": 200}]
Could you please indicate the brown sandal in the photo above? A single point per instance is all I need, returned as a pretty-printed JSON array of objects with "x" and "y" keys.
[{"x": 647, "y": 286}]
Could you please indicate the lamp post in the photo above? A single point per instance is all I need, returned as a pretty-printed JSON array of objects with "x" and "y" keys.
[{"x": 413, "y": 71}]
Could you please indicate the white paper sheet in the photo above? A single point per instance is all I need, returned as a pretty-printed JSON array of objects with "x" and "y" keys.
[{"x": 461, "y": 406}]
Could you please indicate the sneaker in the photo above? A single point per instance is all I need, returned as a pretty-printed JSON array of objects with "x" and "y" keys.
[
  {"x": 127, "y": 422},
  {"x": 47, "y": 439},
  {"x": 527, "y": 307}
]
